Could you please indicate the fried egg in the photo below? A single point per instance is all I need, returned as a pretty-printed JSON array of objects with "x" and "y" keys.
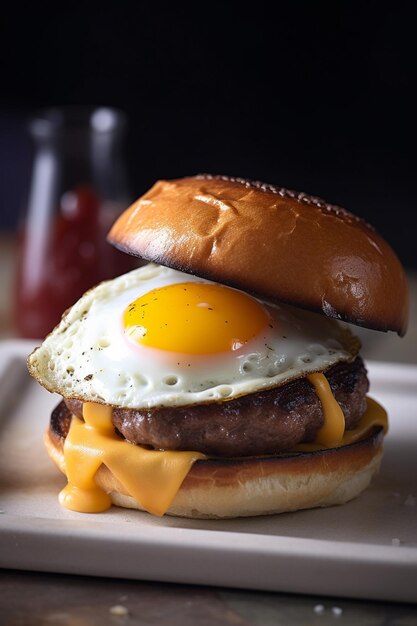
[{"x": 159, "y": 337}]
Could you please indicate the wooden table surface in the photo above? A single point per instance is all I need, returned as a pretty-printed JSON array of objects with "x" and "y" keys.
[{"x": 34, "y": 599}]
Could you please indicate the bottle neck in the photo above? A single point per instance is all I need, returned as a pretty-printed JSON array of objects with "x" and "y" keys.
[{"x": 86, "y": 147}]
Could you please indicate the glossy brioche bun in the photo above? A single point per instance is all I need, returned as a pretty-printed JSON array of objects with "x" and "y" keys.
[
  {"x": 258, "y": 486},
  {"x": 278, "y": 244}
]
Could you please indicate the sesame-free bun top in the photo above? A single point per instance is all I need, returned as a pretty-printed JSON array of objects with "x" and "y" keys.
[{"x": 275, "y": 243}]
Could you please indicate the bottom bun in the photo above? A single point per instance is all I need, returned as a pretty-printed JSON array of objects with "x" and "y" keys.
[{"x": 246, "y": 487}]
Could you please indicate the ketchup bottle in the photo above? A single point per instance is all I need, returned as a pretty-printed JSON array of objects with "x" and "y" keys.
[{"x": 78, "y": 188}]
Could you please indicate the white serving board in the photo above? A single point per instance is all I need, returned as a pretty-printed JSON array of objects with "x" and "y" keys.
[{"x": 341, "y": 551}]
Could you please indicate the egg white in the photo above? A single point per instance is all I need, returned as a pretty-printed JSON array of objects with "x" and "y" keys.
[{"x": 89, "y": 357}]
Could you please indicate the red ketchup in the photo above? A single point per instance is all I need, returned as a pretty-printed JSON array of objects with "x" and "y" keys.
[{"x": 62, "y": 258}]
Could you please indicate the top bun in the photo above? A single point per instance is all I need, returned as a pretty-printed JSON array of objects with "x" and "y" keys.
[{"x": 275, "y": 243}]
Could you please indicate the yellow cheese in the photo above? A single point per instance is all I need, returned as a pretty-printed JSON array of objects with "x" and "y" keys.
[
  {"x": 375, "y": 415},
  {"x": 331, "y": 433},
  {"x": 152, "y": 477}
]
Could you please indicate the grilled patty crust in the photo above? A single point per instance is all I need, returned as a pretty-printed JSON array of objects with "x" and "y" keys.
[{"x": 266, "y": 422}]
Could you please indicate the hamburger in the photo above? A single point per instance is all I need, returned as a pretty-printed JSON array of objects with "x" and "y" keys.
[{"x": 222, "y": 379}]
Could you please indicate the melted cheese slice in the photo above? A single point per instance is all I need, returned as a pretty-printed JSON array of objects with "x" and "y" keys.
[
  {"x": 375, "y": 415},
  {"x": 331, "y": 433},
  {"x": 153, "y": 477}
]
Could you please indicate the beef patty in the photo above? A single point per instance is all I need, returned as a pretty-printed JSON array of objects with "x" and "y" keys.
[{"x": 266, "y": 422}]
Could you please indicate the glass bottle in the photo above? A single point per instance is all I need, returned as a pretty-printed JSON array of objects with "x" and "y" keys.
[{"x": 78, "y": 188}]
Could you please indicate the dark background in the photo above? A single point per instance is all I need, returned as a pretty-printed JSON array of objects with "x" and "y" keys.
[{"x": 316, "y": 96}]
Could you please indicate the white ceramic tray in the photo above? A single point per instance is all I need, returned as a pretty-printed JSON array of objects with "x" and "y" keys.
[{"x": 365, "y": 549}]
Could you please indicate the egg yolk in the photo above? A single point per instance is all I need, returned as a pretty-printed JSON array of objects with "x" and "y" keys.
[{"x": 195, "y": 318}]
